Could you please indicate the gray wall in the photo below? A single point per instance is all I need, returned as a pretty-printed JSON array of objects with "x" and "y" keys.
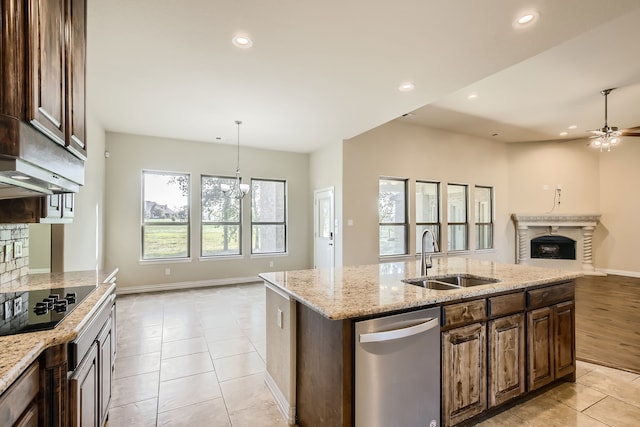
[{"x": 129, "y": 155}]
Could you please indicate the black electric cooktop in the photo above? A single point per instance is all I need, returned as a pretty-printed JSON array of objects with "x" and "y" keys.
[{"x": 38, "y": 310}]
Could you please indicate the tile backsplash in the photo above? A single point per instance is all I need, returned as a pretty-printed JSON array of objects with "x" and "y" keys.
[{"x": 14, "y": 242}]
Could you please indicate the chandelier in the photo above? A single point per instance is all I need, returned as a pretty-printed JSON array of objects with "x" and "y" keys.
[{"x": 237, "y": 190}]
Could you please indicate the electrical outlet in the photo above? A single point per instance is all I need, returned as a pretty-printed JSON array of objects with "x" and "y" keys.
[
  {"x": 8, "y": 309},
  {"x": 17, "y": 249},
  {"x": 17, "y": 306},
  {"x": 270, "y": 263},
  {"x": 167, "y": 271}
]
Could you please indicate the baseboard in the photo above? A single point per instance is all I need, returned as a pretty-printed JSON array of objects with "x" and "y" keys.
[
  {"x": 287, "y": 411},
  {"x": 621, "y": 272},
  {"x": 39, "y": 270},
  {"x": 186, "y": 285}
]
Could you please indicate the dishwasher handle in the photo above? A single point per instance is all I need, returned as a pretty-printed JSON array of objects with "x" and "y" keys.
[{"x": 395, "y": 334}]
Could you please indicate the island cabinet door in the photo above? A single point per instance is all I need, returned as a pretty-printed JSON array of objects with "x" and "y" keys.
[
  {"x": 541, "y": 347},
  {"x": 506, "y": 359},
  {"x": 463, "y": 373},
  {"x": 565, "y": 345}
]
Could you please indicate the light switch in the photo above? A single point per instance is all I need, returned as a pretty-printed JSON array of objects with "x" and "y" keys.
[{"x": 280, "y": 318}]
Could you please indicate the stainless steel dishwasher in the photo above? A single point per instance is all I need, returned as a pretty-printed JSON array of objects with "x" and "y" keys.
[{"x": 398, "y": 370}]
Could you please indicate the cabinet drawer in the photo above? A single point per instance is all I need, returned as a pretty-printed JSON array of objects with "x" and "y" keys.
[
  {"x": 15, "y": 401},
  {"x": 550, "y": 295},
  {"x": 464, "y": 313},
  {"x": 506, "y": 304}
]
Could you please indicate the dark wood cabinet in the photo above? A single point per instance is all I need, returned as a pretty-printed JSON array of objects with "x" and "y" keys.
[
  {"x": 58, "y": 209},
  {"x": 56, "y": 64},
  {"x": 42, "y": 65},
  {"x": 551, "y": 334},
  {"x": 83, "y": 391},
  {"x": 18, "y": 405},
  {"x": 92, "y": 361},
  {"x": 464, "y": 373},
  {"x": 507, "y": 363}
]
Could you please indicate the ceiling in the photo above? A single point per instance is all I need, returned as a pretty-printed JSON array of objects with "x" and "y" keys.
[{"x": 319, "y": 73}]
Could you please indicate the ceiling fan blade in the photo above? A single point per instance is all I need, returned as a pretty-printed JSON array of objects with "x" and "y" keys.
[{"x": 631, "y": 131}]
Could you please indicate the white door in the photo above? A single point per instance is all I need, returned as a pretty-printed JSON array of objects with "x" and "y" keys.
[{"x": 323, "y": 228}]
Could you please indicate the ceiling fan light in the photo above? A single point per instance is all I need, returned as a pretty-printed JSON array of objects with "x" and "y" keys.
[{"x": 596, "y": 143}]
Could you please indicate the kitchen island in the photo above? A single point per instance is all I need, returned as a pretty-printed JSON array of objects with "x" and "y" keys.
[
  {"x": 525, "y": 319},
  {"x": 45, "y": 374}
]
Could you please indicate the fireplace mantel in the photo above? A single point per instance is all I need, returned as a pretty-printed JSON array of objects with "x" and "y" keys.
[
  {"x": 561, "y": 220},
  {"x": 527, "y": 224}
]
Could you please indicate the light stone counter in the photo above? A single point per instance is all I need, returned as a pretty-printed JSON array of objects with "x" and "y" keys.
[
  {"x": 352, "y": 292},
  {"x": 17, "y": 352}
]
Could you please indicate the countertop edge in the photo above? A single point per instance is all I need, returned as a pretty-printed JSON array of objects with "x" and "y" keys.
[{"x": 65, "y": 332}]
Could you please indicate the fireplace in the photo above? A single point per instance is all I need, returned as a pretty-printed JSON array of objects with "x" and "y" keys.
[
  {"x": 553, "y": 247},
  {"x": 556, "y": 241}
]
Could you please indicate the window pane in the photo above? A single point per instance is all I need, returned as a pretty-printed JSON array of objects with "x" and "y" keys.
[
  {"x": 268, "y": 201},
  {"x": 391, "y": 201},
  {"x": 426, "y": 202},
  {"x": 324, "y": 218},
  {"x": 220, "y": 240},
  {"x": 392, "y": 240},
  {"x": 216, "y": 207},
  {"x": 268, "y": 238},
  {"x": 484, "y": 233},
  {"x": 456, "y": 203},
  {"x": 457, "y": 237},
  {"x": 166, "y": 197},
  {"x": 483, "y": 204},
  {"x": 165, "y": 219},
  {"x": 435, "y": 229},
  {"x": 165, "y": 241}
]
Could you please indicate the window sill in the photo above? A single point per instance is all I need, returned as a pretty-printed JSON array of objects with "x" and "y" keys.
[
  {"x": 165, "y": 261},
  {"x": 270, "y": 255},
  {"x": 220, "y": 257}
]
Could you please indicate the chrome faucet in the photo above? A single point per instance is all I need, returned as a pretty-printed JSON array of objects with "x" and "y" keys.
[{"x": 424, "y": 265}]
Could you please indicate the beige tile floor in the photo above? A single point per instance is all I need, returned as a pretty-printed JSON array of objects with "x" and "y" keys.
[{"x": 197, "y": 358}]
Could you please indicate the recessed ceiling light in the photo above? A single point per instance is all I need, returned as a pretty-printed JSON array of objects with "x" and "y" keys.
[
  {"x": 526, "y": 19},
  {"x": 564, "y": 133},
  {"x": 20, "y": 177},
  {"x": 573, "y": 127},
  {"x": 242, "y": 41},
  {"x": 472, "y": 96},
  {"x": 406, "y": 87}
]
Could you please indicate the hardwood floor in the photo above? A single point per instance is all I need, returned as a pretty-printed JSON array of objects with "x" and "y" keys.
[{"x": 608, "y": 321}]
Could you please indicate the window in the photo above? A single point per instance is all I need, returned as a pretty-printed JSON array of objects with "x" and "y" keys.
[
  {"x": 457, "y": 217},
  {"x": 392, "y": 214},
  {"x": 268, "y": 216},
  {"x": 427, "y": 211},
  {"x": 484, "y": 217},
  {"x": 165, "y": 215},
  {"x": 221, "y": 219}
]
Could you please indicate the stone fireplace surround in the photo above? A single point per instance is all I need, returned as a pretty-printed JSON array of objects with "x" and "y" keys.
[{"x": 577, "y": 227}]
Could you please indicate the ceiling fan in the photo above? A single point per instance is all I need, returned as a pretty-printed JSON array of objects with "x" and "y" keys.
[{"x": 609, "y": 136}]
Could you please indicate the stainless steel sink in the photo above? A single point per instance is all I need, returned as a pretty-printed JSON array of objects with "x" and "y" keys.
[
  {"x": 431, "y": 284},
  {"x": 455, "y": 281},
  {"x": 465, "y": 280}
]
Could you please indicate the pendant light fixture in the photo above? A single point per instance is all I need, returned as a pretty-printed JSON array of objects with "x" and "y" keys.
[{"x": 237, "y": 190}]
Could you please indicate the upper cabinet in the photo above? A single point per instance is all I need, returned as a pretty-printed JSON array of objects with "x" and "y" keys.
[
  {"x": 56, "y": 64},
  {"x": 42, "y": 70}
]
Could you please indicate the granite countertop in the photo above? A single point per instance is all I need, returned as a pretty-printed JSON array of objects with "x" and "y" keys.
[
  {"x": 18, "y": 352},
  {"x": 352, "y": 292}
]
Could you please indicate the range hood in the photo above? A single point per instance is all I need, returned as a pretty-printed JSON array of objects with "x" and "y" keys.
[
  {"x": 19, "y": 178},
  {"x": 33, "y": 165}
]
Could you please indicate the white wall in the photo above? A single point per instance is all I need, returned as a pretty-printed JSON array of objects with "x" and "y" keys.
[
  {"x": 39, "y": 248},
  {"x": 83, "y": 239},
  {"x": 403, "y": 150},
  {"x": 325, "y": 170},
  {"x": 130, "y": 154},
  {"x": 617, "y": 238}
]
